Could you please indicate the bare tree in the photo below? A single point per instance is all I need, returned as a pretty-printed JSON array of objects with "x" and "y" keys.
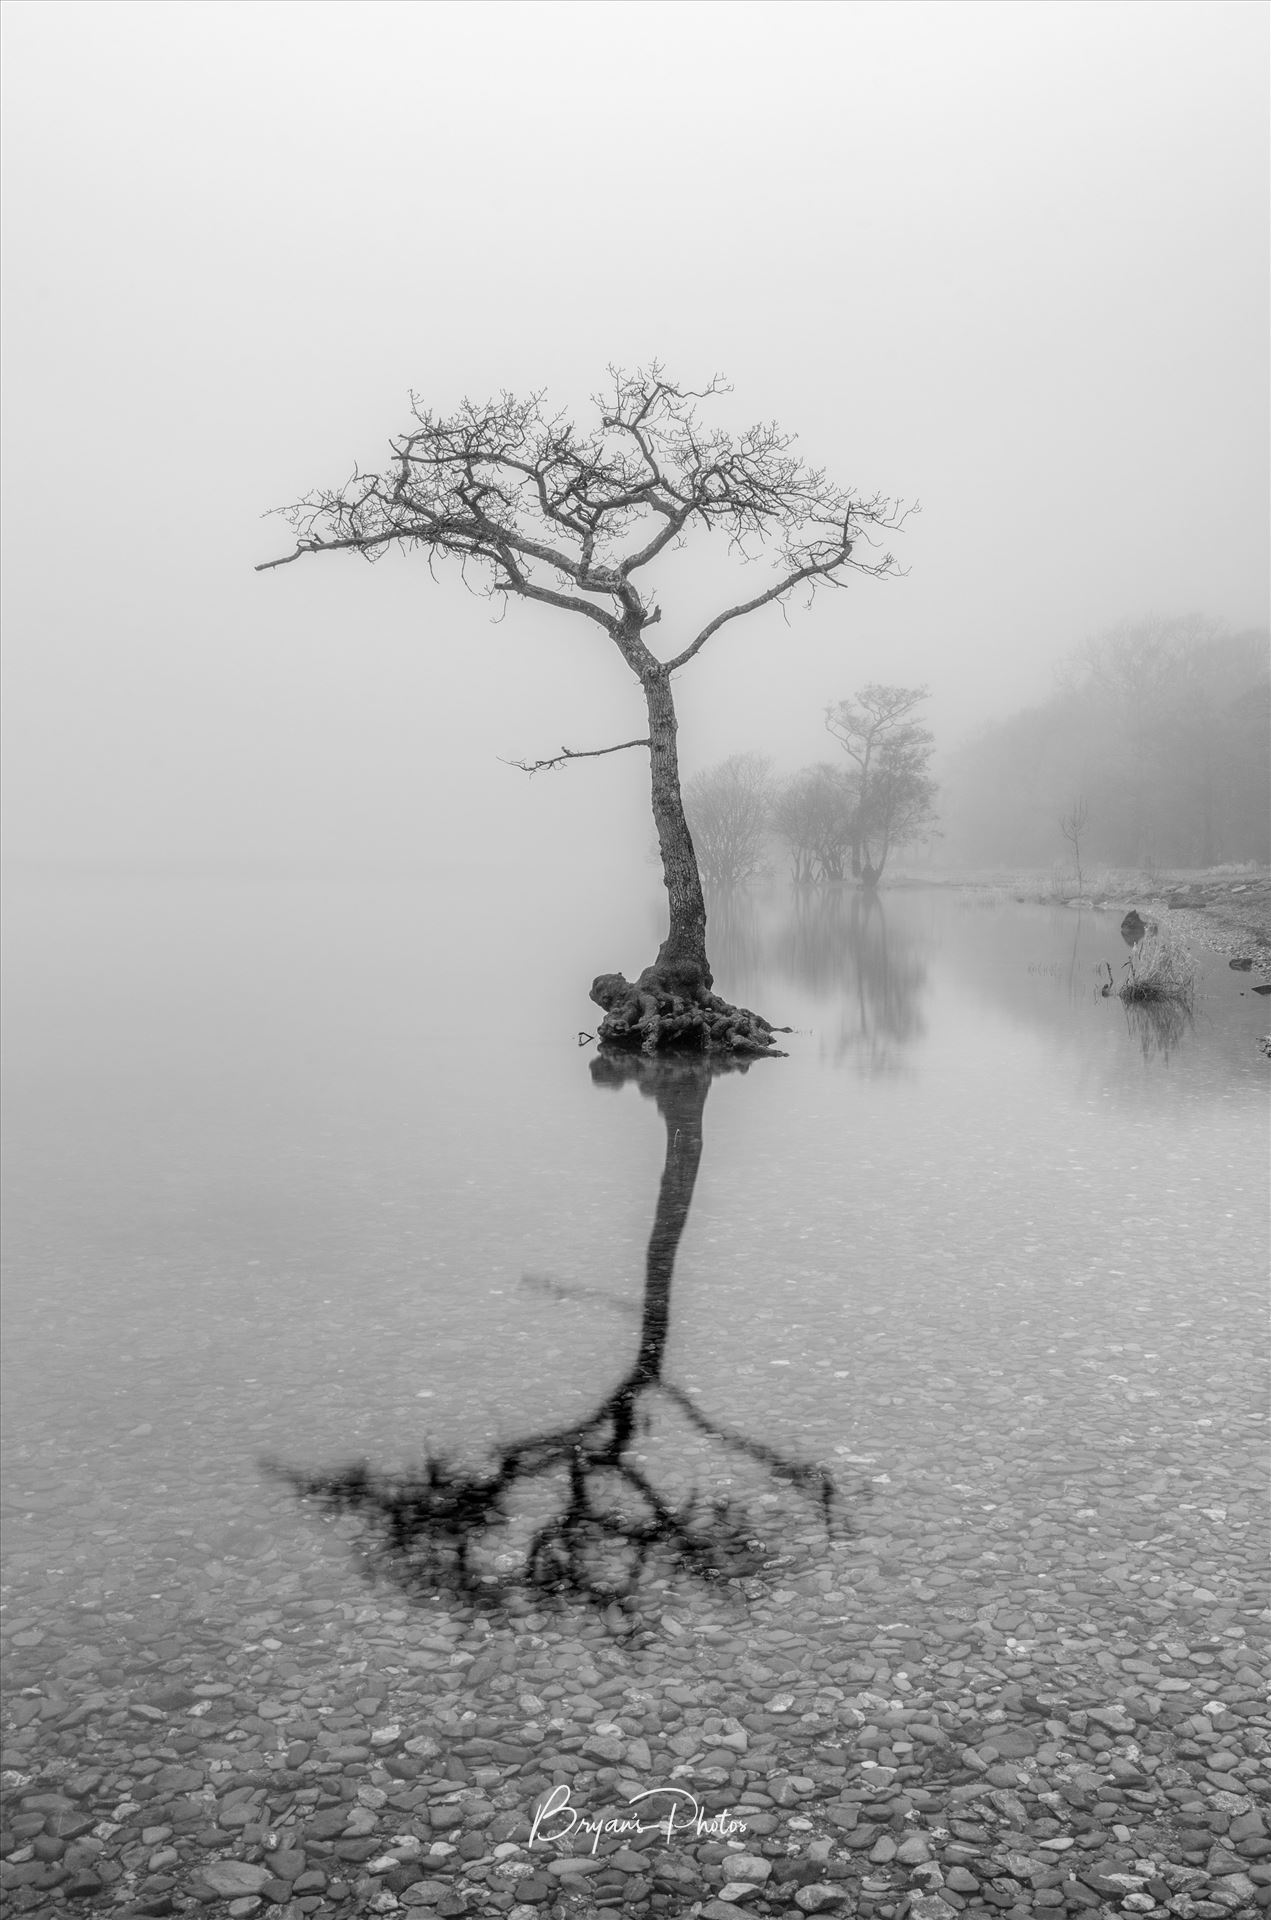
[
  {"x": 901, "y": 806},
  {"x": 532, "y": 507},
  {"x": 890, "y": 750},
  {"x": 815, "y": 814},
  {"x": 1072, "y": 826},
  {"x": 727, "y": 808}
]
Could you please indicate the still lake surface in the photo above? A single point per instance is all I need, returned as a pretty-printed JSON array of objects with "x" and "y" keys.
[{"x": 314, "y": 1169}]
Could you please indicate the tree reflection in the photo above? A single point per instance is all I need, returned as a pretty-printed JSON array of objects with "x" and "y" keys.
[
  {"x": 738, "y": 939},
  {"x": 838, "y": 941},
  {"x": 576, "y": 1511}
]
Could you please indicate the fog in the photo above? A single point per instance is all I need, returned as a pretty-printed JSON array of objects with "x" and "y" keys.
[
  {"x": 1009, "y": 263},
  {"x": 754, "y": 1376}
]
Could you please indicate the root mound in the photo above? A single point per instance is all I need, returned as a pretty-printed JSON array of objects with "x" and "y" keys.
[{"x": 665, "y": 1012}]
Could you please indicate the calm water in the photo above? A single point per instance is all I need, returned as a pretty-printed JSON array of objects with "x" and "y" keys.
[{"x": 317, "y": 1170}]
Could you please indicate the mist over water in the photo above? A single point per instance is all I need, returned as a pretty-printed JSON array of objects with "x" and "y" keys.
[
  {"x": 284, "y": 1151},
  {"x": 409, "y": 1411},
  {"x": 309, "y": 1176}
]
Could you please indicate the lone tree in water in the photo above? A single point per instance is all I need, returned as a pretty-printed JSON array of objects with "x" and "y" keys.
[{"x": 534, "y": 508}]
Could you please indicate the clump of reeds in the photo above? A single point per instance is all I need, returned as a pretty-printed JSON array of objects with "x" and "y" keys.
[{"x": 1160, "y": 967}]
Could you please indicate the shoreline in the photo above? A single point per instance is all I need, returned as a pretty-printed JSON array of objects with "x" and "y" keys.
[{"x": 1227, "y": 910}]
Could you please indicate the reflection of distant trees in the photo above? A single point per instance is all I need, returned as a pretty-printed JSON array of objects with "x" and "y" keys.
[
  {"x": 838, "y": 944},
  {"x": 737, "y": 938}
]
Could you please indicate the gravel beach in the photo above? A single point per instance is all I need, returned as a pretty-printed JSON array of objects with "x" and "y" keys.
[{"x": 1049, "y": 1697}]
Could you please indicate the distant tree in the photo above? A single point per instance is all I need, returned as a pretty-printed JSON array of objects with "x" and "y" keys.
[
  {"x": 1072, "y": 825},
  {"x": 1162, "y": 725},
  {"x": 815, "y": 815},
  {"x": 890, "y": 750},
  {"x": 901, "y": 806},
  {"x": 531, "y": 507},
  {"x": 727, "y": 809}
]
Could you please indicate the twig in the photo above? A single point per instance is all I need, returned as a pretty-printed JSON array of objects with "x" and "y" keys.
[{"x": 573, "y": 753}]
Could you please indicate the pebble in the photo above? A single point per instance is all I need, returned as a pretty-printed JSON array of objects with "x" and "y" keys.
[
  {"x": 229, "y": 1877},
  {"x": 815, "y": 1899}
]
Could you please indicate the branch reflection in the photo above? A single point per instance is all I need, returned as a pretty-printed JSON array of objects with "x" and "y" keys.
[{"x": 592, "y": 1511}]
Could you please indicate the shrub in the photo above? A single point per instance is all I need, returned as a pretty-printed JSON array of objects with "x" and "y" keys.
[{"x": 1161, "y": 967}]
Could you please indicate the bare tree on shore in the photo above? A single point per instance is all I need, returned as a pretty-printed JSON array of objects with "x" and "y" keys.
[
  {"x": 815, "y": 816},
  {"x": 1072, "y": 825},
  {"x": 890, "y": 751}
]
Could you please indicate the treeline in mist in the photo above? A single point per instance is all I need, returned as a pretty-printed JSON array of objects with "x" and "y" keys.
[
  {"x": 828, "y": 821},
  {"x": 1157, "y": 740}
]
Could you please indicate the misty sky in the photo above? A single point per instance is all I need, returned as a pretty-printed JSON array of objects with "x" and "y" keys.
[{"x": 1007, "y": 261}]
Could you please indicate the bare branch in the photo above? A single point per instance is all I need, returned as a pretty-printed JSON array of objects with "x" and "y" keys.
[
  {"x": 573, "y": 753},
  {"x": 267, "y": 566},
  {"x": 567, "y": 514},
  {"x": 515, "y": 580},
  {"x": 736, "y": 613},
  {"x": 324, "y": 546},
  {"x": 815, "y": 570},
  {"x": 675, "y": 517}
]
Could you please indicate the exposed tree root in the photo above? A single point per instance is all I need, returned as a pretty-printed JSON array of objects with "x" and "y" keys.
[{"x": 666, "y": 1012}]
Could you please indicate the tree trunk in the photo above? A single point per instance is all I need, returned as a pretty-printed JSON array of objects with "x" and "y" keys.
[
  {"x": 682, "y": 956},
  {"x": 858, "y": 832},
  {"x": 671, "y": 1006}
]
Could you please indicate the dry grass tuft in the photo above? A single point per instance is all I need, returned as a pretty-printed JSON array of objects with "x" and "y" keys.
[{"x": 1160, "y": 967}]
